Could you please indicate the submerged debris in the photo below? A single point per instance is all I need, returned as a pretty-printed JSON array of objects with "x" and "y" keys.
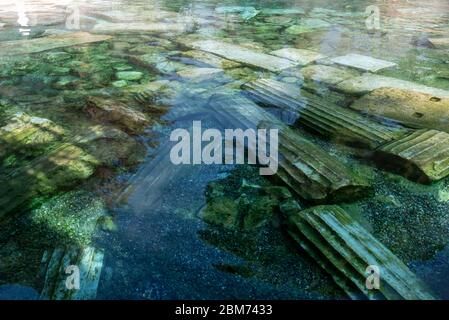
[
  {"x": 60, "y": 269},
  {"x": 346, "y": 250},
  {"x": 312, "y": 173},
  {"x": 243, "y": 55},
  {"x": 107, "y": 110},
  {"x": 422, "y": 155},
  {"x": 322, "y": 116}
]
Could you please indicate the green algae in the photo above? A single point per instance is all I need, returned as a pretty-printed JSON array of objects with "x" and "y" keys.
[{"x": 63, "y": 220}]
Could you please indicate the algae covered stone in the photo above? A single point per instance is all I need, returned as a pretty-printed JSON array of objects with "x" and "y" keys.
[
  {"x": 116, "y": 112},
  {"x": 302, "y": 56},
  {"x": 199, "y": 74},
  {"x": 222, "y": 211},
  {"x": 410, "y": 108},
  {"x": 129, "y": 75}
]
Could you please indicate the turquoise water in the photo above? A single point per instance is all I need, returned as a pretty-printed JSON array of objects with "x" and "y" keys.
[{"x": 75, "y": 175}]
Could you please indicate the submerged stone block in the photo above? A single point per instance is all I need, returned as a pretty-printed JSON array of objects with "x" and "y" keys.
[
  {"x": 16, "y": 47},
  {"x": 59, "y": 267},
  {"x": 326, "y": 75},
  {"x": 243, "y": 55},
  {"x": 210, "y": 59},
  {"x": 318, "y": 114},
  {"x": 236, "y": 111},
  {"x": 345, "y": 249},
  {"x": 301, "y": 56},
  {"x": 413, "y": 109},
  {"x": 363, "y": 63},
  {"x": 369, "y": 82},
  {"x": 422, "y": 155},
  {"x": 108, "y": 110},
  {"x": 27, "y": 135}
]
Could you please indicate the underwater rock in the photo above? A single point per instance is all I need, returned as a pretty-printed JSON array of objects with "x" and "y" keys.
[
  {"x": 297, "y": 29},
  {"x": 67, "y": 82},
  {"x": 369, "y": 82},
  {"x": 243, "y": 204},
  {"x": 246, "y": 13},
  {"x": 221, "y": 211},
  {"x": 57, "y": 57},
  {"x": 17, "y": 292},
  {"x": 421, "y": 156},
  {"x": 311, "y": 172},
  {"x": 58, "y": 268},
  {"x": 129, "y": 75},
  {"x": 243, "y": 55},
  {"x": 17, "y": 47},
  {"x": 106, "y": 223},
  {"x": 345, "y": 249},
  {"x": 320, "y": 115},
  {"x": 249, "y": 13},
  {"x": 363, "y": 63},
  {"x": 410, "y": 108},
  {"x": 211, "y": 59},
  {"x": 199, "y": 74},
  {"x": 63, "y": 167},
  {"x": 108, "y": 110},
  {"x": 301, "y": 56},
  {"x": 329, "y": 76},
  {"x": 27, "y": 135},
  {"x": 440, "y": 43}
]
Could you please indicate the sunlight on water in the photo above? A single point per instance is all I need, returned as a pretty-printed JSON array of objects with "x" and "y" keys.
[{"x": 93, "y": 206}]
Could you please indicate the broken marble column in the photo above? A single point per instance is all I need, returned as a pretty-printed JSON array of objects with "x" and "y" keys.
[
  {"x": 319, "y": 115},
  {"x": 322, "y": 74},
  {"x": 345, "y": 249},
  {"x": 421, "y": 155},
  {"x": 311, "y": 172},
  {"x": 303, "y": 166},
  {"x": 106, "y": 27},
  {"x": 369, "y": 82},
  {"x": 363, "y": 63},
  {"x": 16, "y": 47},
  {"x": 412, "y": 109},
  {"x": 243, "y": 55},
  {"x": 60, "y": 269}
]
